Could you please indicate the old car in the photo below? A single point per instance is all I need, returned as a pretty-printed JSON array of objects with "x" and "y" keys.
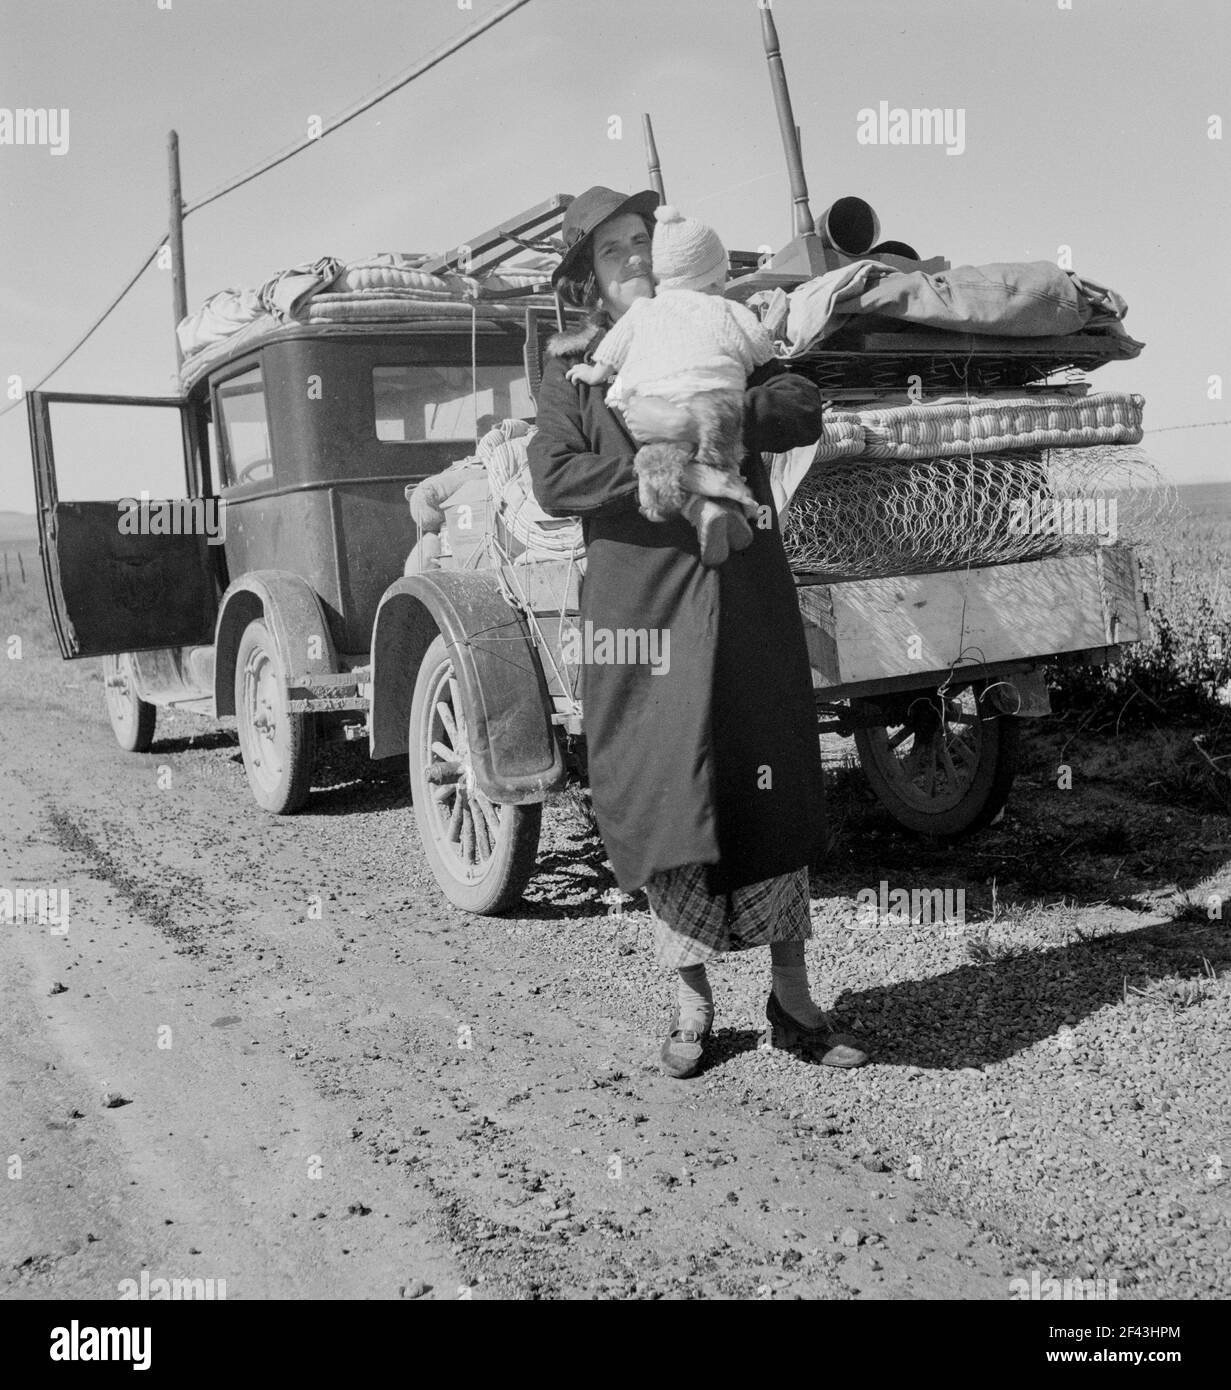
[
  {"x": 269, "y": 579},
  {"x": 297, "y": 619}
]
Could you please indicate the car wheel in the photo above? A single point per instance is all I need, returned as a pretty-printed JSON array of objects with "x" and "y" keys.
[
  {"x": 132, "y": 718},
  {"x": 482, "y": 852},
  {"x": 948, "y": 768},
  {"x": 278, "y": 747}
]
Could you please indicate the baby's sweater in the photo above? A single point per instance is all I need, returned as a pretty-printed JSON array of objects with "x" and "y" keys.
[{"x": 711, "y": 342}]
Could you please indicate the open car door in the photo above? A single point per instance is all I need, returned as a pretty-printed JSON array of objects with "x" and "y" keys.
[{"x": 129, "y": 573}]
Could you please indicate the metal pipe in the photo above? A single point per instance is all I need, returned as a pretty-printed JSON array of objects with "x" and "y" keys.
[
  {"x": 651, "y": 157},
  {"x": 786, "y": 123},
  {"x": 175, "y": 238}
]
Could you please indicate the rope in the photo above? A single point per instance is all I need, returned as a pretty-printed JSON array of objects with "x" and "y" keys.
[
  {"x": 474, "y": 372},
  {"x": 513, "y": 593},
  {"x": 961, "y": 634}
]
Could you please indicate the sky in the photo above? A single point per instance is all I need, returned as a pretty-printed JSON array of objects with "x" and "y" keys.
[{"x": 1086, "y": 125}]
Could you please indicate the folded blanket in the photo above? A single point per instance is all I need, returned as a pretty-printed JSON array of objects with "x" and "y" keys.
[
  {"x": 817, "y": 307},
  {"x": 218, "y": 318},
  {"x": 285, "y": 293},
  {"x": 1017, "y": 299},
  {"x": 1014, "y": 299}
]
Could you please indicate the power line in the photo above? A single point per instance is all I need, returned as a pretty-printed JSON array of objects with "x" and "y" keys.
[
  {"x": 89, "y": 333},
  {"x": 438, "y": 55},
  {"x": 1201, "y": 425},
  {"x": 365, "y": 104}
]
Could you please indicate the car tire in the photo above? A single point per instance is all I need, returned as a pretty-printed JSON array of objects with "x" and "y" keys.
[
  {"x": 974, "y": 788},
  {"x": 132, "y": 718},
  {"x": 278, "y": 747},
  {"x": 482, "y": 853}
]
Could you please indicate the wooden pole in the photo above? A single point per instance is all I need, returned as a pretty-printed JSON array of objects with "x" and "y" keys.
[
  {"x": 786, "y": 124},
  {"x": 651, "y": 157},
  {"x": 799, "y": 146},
  {"x": 175, "y": 238}
]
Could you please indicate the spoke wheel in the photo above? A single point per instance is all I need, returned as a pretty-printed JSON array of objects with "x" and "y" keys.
[
  {"x": 132, "y": 718},
  {"x": 482, "y": 852},
  {"x": 278, "y": 747},
  {"x": 948, "y": 767}
]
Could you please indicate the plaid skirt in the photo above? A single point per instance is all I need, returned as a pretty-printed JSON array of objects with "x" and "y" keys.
[{"x": 692, "y": 925}]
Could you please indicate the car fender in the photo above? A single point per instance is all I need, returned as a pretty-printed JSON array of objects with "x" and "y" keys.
[
  {"x": 515, "y": 753},
  {"x": 293, "y": 613}
]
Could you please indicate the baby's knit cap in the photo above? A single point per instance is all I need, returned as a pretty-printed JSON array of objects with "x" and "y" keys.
[{"x": 688, "y": 255}]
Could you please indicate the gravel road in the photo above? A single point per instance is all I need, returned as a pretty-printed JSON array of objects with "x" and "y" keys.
[{"x": 268, "y": 1051}]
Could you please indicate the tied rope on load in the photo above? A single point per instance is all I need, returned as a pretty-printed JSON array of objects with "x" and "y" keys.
[{"x": 523, "y": 531}]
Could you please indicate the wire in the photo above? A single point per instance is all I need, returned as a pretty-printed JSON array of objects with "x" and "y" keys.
[
  {"x": 1203, "y": 425},
  {"x": 89, "y": 333},
  {"x": 365, "y": 104}
]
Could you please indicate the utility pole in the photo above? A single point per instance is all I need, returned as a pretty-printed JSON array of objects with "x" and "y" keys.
[{"x": 175, "y": 239}]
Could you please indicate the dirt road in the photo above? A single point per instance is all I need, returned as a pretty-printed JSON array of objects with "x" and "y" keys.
[{"x": 268, "y": 1052}]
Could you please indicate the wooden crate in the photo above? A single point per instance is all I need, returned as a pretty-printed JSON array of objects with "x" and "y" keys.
[
  {"x": 550, "y": 587},
  {"x": 862, "y": 630}
]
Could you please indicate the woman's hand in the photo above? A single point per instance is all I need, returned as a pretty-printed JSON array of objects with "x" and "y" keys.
[{"x": 651, "y": 419}]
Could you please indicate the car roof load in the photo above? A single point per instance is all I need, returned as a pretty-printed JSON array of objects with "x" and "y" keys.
[{"x": 494, "y": 276}]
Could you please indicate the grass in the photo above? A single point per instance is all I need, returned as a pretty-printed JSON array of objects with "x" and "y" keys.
[
  {"x": 1207, "y": 901},
  {"x": 23, "y": 607},
  {"x": 1178, "y": 994},
  {"x": 1175, "y": 688},
  {"x": 1179, "y": 672}
]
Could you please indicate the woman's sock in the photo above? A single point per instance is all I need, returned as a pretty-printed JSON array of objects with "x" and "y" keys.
[
  {"x": 696, "y": 998},
  {"x": 790, "y": 983}
]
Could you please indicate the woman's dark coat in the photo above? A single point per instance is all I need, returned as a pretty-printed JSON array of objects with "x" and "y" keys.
[{"x": 717, "y": 760}]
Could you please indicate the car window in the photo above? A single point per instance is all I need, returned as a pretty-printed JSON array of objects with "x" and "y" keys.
[
  {"x": 246, "y": 454},
  {"x": 109, "y": 451},
  {"x": 215, "y": 458},
  {"x": 422, "y": 402}
]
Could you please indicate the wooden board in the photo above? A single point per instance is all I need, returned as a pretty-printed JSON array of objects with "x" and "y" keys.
[
  {"x": 875, "y": 629},
  {"x": 548, "y": 586}
]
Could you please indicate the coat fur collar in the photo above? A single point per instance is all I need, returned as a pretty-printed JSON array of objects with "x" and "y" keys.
[{"x": 574, "y": 342}]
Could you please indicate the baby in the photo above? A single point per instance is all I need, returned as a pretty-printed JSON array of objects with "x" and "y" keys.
[{"x": 693, "y": 348}]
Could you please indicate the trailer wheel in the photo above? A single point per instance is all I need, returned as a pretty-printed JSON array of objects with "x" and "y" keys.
[
  {"x": 278, "y": 747},
  {"x": 482, "y": 852},
  {"x": 947, "y": 770},
  {"x": 132, "y": 718}
]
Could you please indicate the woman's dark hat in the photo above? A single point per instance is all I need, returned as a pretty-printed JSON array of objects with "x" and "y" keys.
[{"x": 586, "y": 212}]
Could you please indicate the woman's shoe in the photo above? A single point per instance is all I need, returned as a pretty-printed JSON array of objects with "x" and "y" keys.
[
  {"x": 830, "y": 1049},
  {"x": 683, "y": 1049}
]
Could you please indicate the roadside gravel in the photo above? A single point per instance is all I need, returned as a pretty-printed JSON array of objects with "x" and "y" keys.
[{"x": 1052, "y": 1069}]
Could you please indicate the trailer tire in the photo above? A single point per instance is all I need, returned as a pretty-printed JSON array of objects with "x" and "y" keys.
[{"x": 972, "y": 794}]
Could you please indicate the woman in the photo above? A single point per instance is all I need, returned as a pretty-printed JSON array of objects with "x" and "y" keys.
[{"x": 705, "y": 766}]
